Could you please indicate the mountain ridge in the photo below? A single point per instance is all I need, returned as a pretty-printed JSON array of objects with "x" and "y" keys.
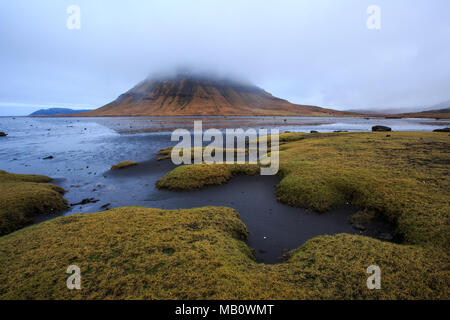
[
  {"x": 200, "y": 96},
  {"x": 56, "y": 111}
]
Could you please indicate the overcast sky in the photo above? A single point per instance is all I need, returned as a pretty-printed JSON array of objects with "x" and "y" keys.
[{"x": 316, "y": 52}]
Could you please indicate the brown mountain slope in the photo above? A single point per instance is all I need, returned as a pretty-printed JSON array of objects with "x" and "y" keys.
[
  {"x": 438, "y": 114},
  {"x": 187, "y": 95}
]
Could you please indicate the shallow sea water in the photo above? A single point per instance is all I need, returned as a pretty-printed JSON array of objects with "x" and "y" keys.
[{"x": 84, "y": 149}]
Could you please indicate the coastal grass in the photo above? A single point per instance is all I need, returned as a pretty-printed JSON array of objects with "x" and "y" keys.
[
  {"x": 402, "y": 177},
  {"x": 141, "y": 253},
  {"x": 191, "y": 177},
  {"x": 123, "y": 165},
  {"x": 22, "y": 197}
]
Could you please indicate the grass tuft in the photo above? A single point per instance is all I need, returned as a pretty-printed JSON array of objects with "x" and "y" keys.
[
  {"x": 123, "y": 165},
  {"x": 22, "y": 197},
  {"x": 191, "y": 177}
]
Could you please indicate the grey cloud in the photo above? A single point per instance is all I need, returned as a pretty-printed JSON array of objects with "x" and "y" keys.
[{"x": 314, "y": 52}]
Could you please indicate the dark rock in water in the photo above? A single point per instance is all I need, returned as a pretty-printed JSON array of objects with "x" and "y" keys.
[
  {"x": 105, "y": 206},
  {"x": 48, "y": 158},
  {"x": 2, "y": 134},
  {"x": 442, "y": 130},
  {"x": 380, "y": 129},
  {"x": 339, "y": 131},
  {"x": 85, "y": 201},
  {"x": 314, "y": 131},
  {"x": 386, "y": 237},
  {"x": 359, "y": 227}
]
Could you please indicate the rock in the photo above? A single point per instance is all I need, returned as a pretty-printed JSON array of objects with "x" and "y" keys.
[
  {"x": 386, "y": 237},
  {"x": 2, "y": 134},
  {"x": 359, "y": 227},
  {"x": 387, "y": 136},
  {"x": 442, "y": 130},
  {"x": 48, "y": 158},
  {"x": 85, "y": 201},
  {"x": 381, "y": 129},
  {"x": 314, "y": 131},
  {"x": 105, "y": 206}
]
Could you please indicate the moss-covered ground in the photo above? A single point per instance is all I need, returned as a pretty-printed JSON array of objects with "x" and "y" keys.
[
  {"x": 123, "y": 165},
  {"x": 22, "y": 197},
  {"x": 141, "y": 253},
  {"x": 403, "y": 177},
  {"x": 199, "y": 253}
]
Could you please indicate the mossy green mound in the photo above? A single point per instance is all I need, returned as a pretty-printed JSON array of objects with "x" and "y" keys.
[
  {"x": 190, "y": 177},
  {"x": 403, "y": 177},
  {"x": 123, "y": 165},
  {"x": 140, "y": 253},
  {"x": 22, "y": 197}
]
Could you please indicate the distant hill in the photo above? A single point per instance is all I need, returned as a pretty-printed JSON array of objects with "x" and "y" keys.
[
  {"x": 187, "y": 94},
  {"x": 56, "y": 111},
  {"x": 438, "y": 114},
  {"x": 441, "y": 106},
  {"x": 439, "y": 111}
]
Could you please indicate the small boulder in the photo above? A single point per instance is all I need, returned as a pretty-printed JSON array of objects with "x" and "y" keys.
[
  {"x": 442, "y": 130},
  {"x": 359, "y": 227},
  {"x": 105, "y": 206},
  {"x": 48, "y": 158},
  {"x": 2, "y": 134},
  {"x": 314, "y": 131},
  {"x": 386, "y": 237},
  {"x": 381, "y": 129}
]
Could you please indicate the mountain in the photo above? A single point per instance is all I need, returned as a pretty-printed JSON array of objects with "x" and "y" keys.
[
  {"x": 56, "y": 111},
  {"x": 183, "y": 95}
]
